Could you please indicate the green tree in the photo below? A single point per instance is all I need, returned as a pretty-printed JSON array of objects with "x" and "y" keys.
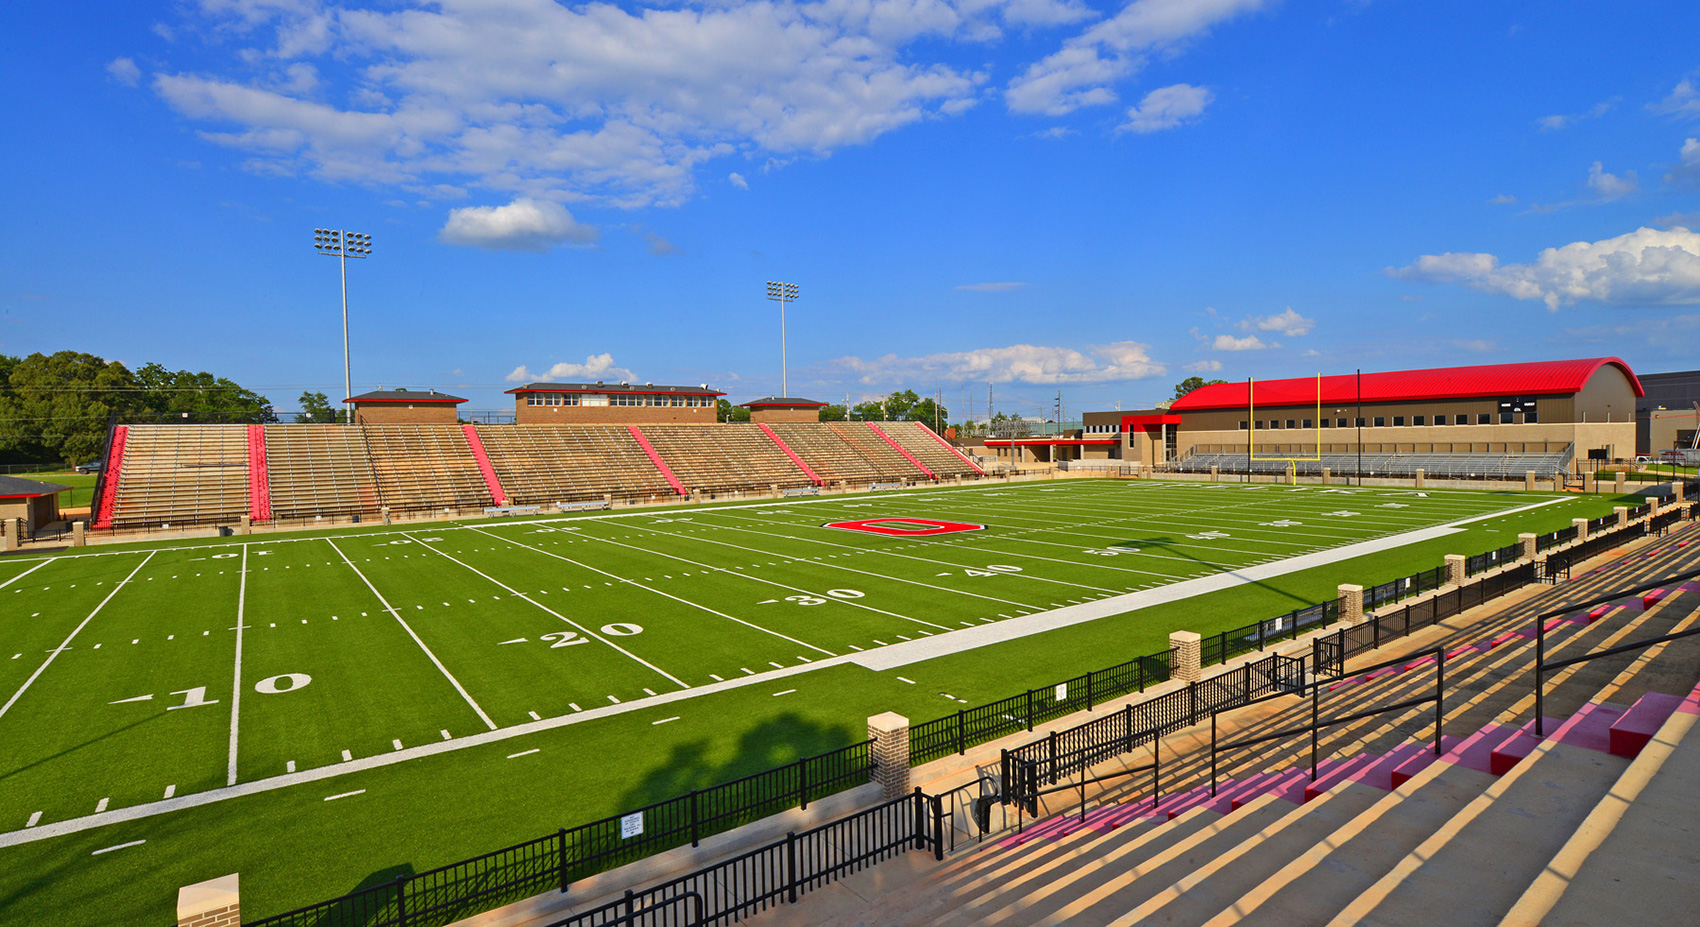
[
  {"x": 1191, "y": 383},
  {"x": 833, "y": 413},
  {"x": 182, "y": 396},
  {"x": 316, "y": 407},
  {"x": 55, "y": 407},
  {"x": 728, "y": 412}
]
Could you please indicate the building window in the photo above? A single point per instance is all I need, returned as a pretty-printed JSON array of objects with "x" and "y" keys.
[
  {"x": 1484, "y": 418},
  {"x": 1398, "y": 421},
  {"x": 1506, "y": 418},
  {"x": 1243, "y": 424},
  {"x": 1381, "y": 421},
  {"x": 1362, "y": 421},
  {"x": 1309, "y": 423},
  {"x": 1419, "y": 420},
  {"x": 1327, "y": 422},
  {"x": 1260, "y": 425},
  {"x": 1290, "y": 423},
  {"x": 1440, "y": 419},
  {"x": 1341, "y": 423},
  {"x": 1463, "y": 419},
  {"x": 1530, "y": 418}
]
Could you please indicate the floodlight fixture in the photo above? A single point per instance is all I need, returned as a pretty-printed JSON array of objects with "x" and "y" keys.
[
  {"x": 782, "y": 292},
  {"x": 343, "y": 245}
]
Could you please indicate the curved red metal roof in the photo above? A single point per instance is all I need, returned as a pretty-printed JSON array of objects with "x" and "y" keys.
[{"x": 1541, "y": 378}]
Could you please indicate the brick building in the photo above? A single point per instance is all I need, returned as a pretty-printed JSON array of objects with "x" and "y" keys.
[
  {"x": 614, "y": 404},
  {"x": 405, "y": 407},
  {"x": 779, "y": 409}
]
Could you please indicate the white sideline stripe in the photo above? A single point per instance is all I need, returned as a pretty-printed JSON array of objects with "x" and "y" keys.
[
  {"x": 515, "y": 756},
  {"x": 212, "y": 796},
  {"x": 121, "y": 846},
  {"x": 345, "y": 795},
  {"x": 587, "y": 632},
  {"x": 397, "y": 615},
  {"x": 54, "y": 653},
  {"x": 24, "y": 573},
  {"x": 663, "y": 721},
  {"x": 236, "y": 682}
]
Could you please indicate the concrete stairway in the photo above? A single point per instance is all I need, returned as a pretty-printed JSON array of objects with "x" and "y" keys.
[{"x": 1572, "y": 828}]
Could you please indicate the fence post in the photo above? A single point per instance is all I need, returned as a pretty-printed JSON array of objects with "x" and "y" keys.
[
  {"x": 890, "y": 753},
  {"x": 1089, "y": 700},
  {"x": 961, "y": 735},
  {"x": 1141, "y": 662},
  {"x": 1192, "y": 699},
  {"x": 790, "y": 866},
  {"x": 1315, "y": 699},
  {"x": 696, "y": 837},
  {"x": 1127, "y": 728},
  {"x": 1260, "y": 634},
  {"x": 919, "y": 804},
  {"x": 1051, "y": 749},
  {"x": 938, "y": 827},
  {"x": 1029, "y": 711},
  {"x": 561, "y": 848},
  {"x": 1187, "y": 648},
  {"x": 1440, "y": 698},
  {"x": 1456, "y": 568},
  {"x": 803, "y": 784},
  {"x": 1351, "y": 600},
  {"x": 401, "y": 900},
  {"x": 213, "y": 902}
]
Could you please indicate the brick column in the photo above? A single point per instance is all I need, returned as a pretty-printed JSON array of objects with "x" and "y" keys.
[
  {"x": 246, "y": 525},
  {"x": 1325, "y": 476},
  {"x": 1528, "y": 542},
  {"x": 1456, "y": 565},
  {"x": 1529, "y": 480},
  {"x": 79, "y": 537},
  {"x": 1679, "y": 484},
  {"x": 1419, "y": 479},
  {"x": 890, "y": 734},
  {"x": 1622, "y": 482},
  {"x": 1188, "y": 657},
  {"x": 1351, "y": 604},
  {"x": 1653, "y": 503},
  {"x": 385, "y": 512},
  {"x": 11, "y": 533},
  {"x": 1215, "y": 474},
  {"x": 1581, "y": 526},
  {"x": 1622, "y": 514},
  {"x": 213, "y": 903}
]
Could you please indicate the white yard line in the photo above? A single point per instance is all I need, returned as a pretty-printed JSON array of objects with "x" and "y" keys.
[
  {"x": 236, "y": 684},
  {"x": 888, "y": 657},
  {"x": 658, "y": 592},
  {"x": 24, "y": 573},
  {"x": 587, "y": 632},
  {"x": 66, "y": 644},
  {"x": 397, "y": 616}
]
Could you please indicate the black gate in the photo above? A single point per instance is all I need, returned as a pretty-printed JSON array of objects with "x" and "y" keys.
[
  {"x": 1329, "y": 654},
  {"x": 1554, "y": 569}
]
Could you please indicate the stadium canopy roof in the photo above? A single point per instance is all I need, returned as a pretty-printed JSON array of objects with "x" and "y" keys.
[
  {"x": 404, "y": 395},
  {"x": 646, "y": 389},
  {"x": 16, "y": 487},
  {"x": 1540, "y": 378},
  {"x": 781, "y": 402}
]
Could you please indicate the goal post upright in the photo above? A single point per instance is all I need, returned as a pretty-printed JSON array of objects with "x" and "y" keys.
[{"x": 1251, "y": 430}]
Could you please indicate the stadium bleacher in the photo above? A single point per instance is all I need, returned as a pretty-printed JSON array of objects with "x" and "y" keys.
[
  {"x": 540, "y": 464},
  {"x": 319, "y": 470},
  {"x": 1434, "y": 466},
  {"x": 725, "y": 458},
  {"x": 181, "y": 475}
]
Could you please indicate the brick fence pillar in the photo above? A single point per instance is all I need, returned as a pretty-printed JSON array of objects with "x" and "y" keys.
[
  {"x": 1622, "y": 514},
  {"x": 11, "y": 533},
  {"x": 246, "y": 525},
  {"x": 213, "y": 903},
  {"x": 1456, "y": 565},
  {"x": 890, "y": 734},
  {"x": 79, "y": 535},
  {"x": 1679, "y": 484},
  {"x": 1325, "y": 476},
  {"x": 1188, "y": 659},
  {"x": 1528, "y": 542},
  {"x": 1351, "y": 604},
  {"x": 1622, "y": 482},
  {"x": 1215, "y": 474},
  {"x": 385, "y": 512},
  {"x": 1419, "y": 480},
  {"x": 1529, "y": 480},
  {"x": 1581, "y": 526}
]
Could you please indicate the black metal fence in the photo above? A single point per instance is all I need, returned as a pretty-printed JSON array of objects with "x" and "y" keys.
[
  {"x": 1560, "y": 536},
  {"x": 1481, "y": 563},
  {"x": 449, "y": 893},
  {"x": 779, "y": 872},
  {"x": 1415, "y": 584},
  {"x": 974, "y": 726},
  {"x": 1222, "y": 647},
  {"x": 1330, "y": 652}
]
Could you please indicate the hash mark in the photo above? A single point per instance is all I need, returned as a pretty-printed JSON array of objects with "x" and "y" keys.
[{"x": 515, "y": 756}]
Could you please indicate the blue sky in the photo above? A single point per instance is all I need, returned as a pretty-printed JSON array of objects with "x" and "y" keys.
[{"x": 1044, "y": 195}]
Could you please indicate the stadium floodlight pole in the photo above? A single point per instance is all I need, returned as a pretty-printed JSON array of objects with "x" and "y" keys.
[
  {"x": 344, "y": 245},
  {"x": 782, "y": 292},
  {"x": 1360, "y": 424}
]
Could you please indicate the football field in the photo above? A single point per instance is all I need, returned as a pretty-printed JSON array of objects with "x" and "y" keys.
[{"x": 144, "y": 678}]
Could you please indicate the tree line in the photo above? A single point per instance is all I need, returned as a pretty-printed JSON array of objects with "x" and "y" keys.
[
  {"x": 901, "y": 406},
  {"x": 54, "y": 408}
]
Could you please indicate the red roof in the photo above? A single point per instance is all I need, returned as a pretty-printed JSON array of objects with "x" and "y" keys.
[{"x": 1542, "y": 378}]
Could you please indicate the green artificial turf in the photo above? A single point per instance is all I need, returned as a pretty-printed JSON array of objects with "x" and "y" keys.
[{"x": 374, "y": 639}]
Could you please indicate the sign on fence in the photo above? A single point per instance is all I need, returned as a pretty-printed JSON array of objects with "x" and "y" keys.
[{"x": 631, "y": 825}]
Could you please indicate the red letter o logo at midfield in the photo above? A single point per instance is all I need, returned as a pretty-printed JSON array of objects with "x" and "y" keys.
[{"x": 905, "y": 527}]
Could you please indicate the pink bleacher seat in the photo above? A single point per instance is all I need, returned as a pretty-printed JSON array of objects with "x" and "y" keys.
[
  {"x": 1514, "y": 749},
  {"x": 1598, "y": 613},
  {"x": 1331, "y": 773},
  {"x": 1652, "y": 598},
  {"x": 1636, "y": 727},
  {"x": 1590, "y": 726}
]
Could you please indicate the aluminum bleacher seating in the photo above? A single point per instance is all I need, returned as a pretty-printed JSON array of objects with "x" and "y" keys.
[
  {"x": 828, "y": 453},
  {"x": 724, "y": 458},
  {"x": 885, "y": 459},
  {"x": 1436, "y": 466},
  {"x": 929, "y": 449},
  {"x": 423, "y": 467},
  {"x": 182, "y": 475},
  {"x": 540, "y": 464},
  {"x": 319, "y": 470}
]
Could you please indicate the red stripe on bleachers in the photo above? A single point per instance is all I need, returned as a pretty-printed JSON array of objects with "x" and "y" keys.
[
  {"x": 109, "y": 477},
  {"x": 792, "y": 454},
  {"x": 484, "y": 465},
  {"x": 655, "y": 458},
  {"x": 259, "y": 478},
  {"x": 952, "y": 448},
  {"x": 899, "y": 449}
]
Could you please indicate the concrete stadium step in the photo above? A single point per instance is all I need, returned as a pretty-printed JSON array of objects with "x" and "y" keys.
[
  {"x": 1312, "y": 885},
  {"x": 1201, "y": 893},
  {"x": 1631, "y": 733},
  {"x": 1634, "y": 859},
  {"x": 1476, "y": 865}
]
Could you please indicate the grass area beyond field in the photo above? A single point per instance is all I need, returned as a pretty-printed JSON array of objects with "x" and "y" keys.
[{"x": 322, "y": 710}]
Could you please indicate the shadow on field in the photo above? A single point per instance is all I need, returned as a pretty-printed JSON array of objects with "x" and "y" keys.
[
  {"x": 82, "y": 746},
  {"x": 697, "y": 764},
  {"x": 1173, "y": 548}
]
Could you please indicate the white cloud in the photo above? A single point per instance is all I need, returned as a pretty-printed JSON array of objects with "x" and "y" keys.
[
  {"x": 1020, "y": 363},
  {"x": 990, "y": 287},
  {"x": 659, "y": 246},
  {"x": 523, "y": 225},
  {"x": 1646, "y": 267},
  {"x": 595, "y": 367},
  {"x": 124, "y": 71},
  {"x": 1684, "y": 100},
  {"x": 1203, "y": 366},
  {"x": 1610, "y": 186},
  {"x": 1557, "y": 123},
  {"x": 1688, "y": 169},
  {"x": 1166, "y": 108},
  {"x": 1504, "y": 199},
  {"x": 1286, "y": 322},
  {"x": 619, "y": 104},
  {"x": 1082, "y": 71},
  {"x": 1248, "y": 343},
  {"x": 737, "y": 180}
]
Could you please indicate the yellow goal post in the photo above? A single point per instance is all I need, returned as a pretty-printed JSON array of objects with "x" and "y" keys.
[{"x": 1251, "y": 431}]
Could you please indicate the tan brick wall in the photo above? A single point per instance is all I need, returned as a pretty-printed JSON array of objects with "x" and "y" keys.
[
  {"x": 785, "y": 416},
  {"x": 402, "y": 413},
  {"x": 1351, "y": 603},
  {"x": 890, "y": 734},
  {"x": 1188, "y": 660},
  {"x": 613, "y": 415}
]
